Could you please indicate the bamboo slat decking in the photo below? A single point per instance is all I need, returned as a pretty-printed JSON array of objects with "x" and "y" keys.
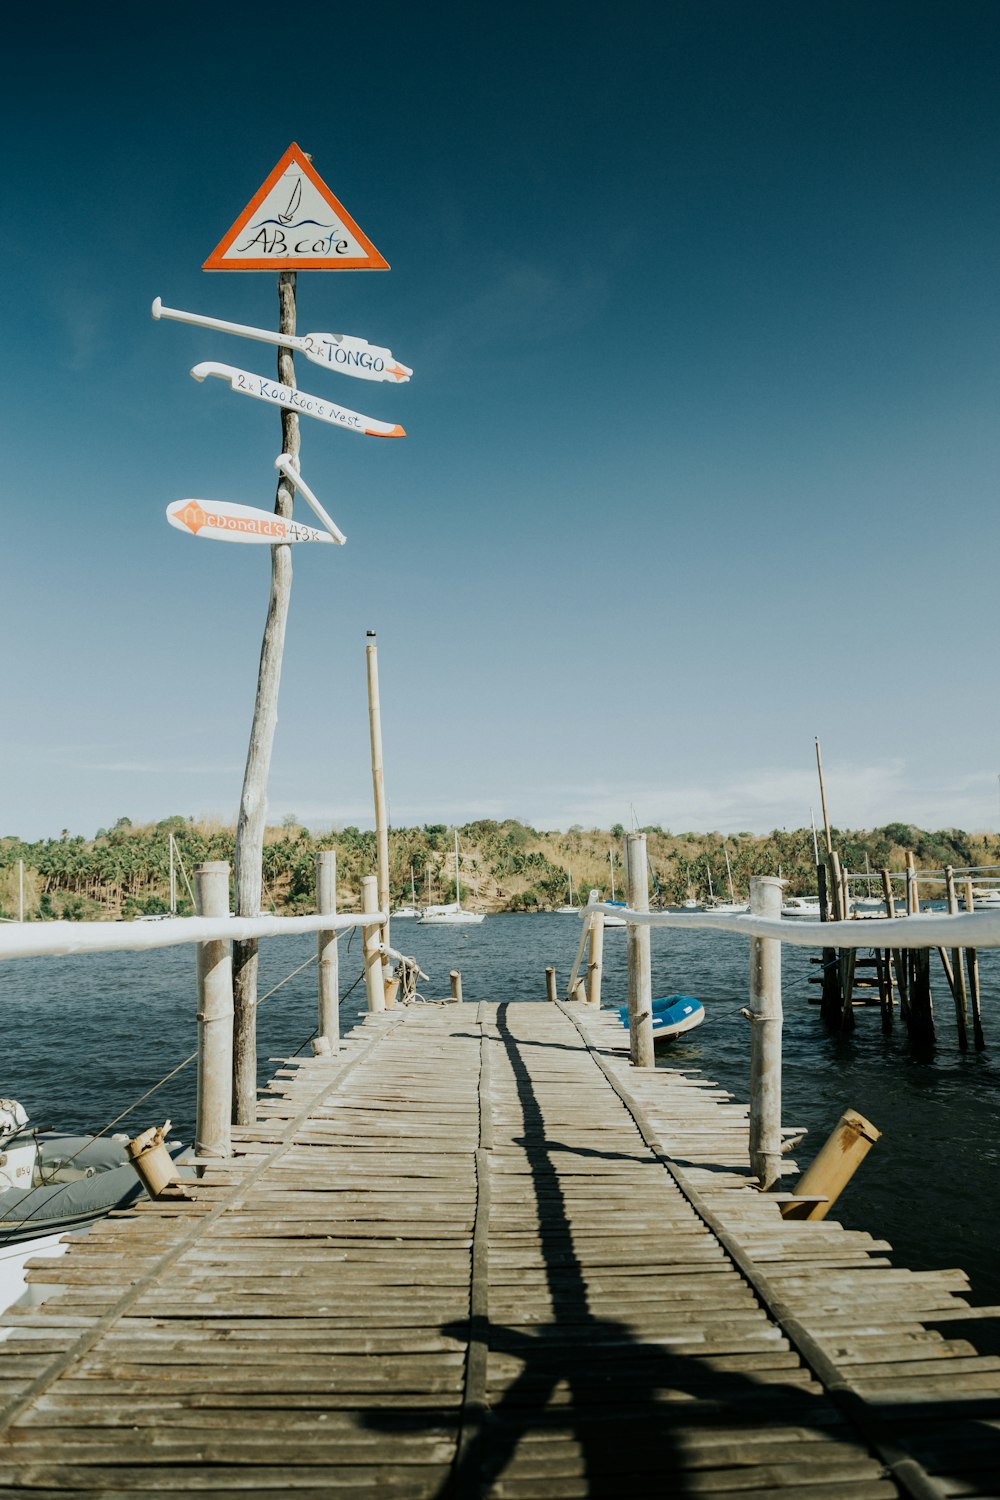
[{"x": 478, "y": 1254}]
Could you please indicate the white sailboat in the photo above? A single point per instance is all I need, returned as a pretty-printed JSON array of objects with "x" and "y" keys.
[
  {"x": 732, "y": 906},
  {"x": 571, "y": 908},
  {"x": 413, "y": 910},
  {"x": 451, "y": 913},
  {"x": 610, "y": 921}
]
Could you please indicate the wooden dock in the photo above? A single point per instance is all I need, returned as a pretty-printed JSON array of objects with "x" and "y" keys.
[{"x": 478, "y": 1254}]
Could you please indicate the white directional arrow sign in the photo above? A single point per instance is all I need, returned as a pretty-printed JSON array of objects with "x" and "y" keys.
[
  {"x": 263, "y": 389},
  {"x": 227, "y": 522},
  {"x": 337, "y": 351}
]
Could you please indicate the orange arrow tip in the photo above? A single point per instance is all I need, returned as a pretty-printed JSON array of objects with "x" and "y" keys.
[{"x": 397, "y": 431}]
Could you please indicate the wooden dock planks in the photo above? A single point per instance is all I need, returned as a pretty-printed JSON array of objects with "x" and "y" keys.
[{"x": 478, "y": 1254}]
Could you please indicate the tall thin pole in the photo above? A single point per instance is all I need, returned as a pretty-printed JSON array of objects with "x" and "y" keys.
[
  {"x": 20, "y": 890},
  {"x": 458, "y": 888},
  {"x": 378, "y": 777},
  {"x": 640, "y": 991},
  {"x": 765, "y": 1037},
  {"x": 253, "y": 802},
  {"x": 215, "y": 1017},
  {"x": 822, "y": 798}
]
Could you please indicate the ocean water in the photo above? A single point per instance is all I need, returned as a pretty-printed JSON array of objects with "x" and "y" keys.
[{"x": 84, "y": 1037}]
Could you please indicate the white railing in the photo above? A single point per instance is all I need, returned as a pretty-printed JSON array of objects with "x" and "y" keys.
[
  {"x": 766, "y": 931},
  {"x": 212, "y": 934},
  {"x": 38, "y": 939},
  {"x": 926, "y": 929}
]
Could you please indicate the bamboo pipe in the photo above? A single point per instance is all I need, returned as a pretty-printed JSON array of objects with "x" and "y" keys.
[{"x": 836, "y": 1164}]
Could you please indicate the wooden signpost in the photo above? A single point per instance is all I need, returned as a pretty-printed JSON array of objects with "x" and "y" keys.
[{"x": 292, "y": 223}]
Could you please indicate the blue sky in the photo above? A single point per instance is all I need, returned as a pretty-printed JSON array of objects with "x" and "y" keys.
[{"x": 702, "y": 452}]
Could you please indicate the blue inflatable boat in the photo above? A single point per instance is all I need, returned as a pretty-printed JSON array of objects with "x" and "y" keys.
[{"x": 672, "y": 1014}]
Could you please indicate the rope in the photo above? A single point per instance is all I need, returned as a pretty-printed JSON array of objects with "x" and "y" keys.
[{"x": 26, "y": 1218}]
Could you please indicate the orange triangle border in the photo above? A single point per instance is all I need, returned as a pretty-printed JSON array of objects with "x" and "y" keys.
[{"x": 371, "y": 261}]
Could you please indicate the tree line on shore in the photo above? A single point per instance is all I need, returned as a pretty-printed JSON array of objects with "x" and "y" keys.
[{"x": 124, "y": 870}]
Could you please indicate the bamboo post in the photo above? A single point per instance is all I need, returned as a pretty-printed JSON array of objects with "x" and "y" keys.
[
  {"x": 456, "y": 985},
  {"x": 972, "y": 967},
  {"x": 374, "y": 982},
  {"x": 640, "y": 985},
  {"x": 214, "y": 969},
  {"x": 327, "y": 958},
  {"x": 595, "y": 966},
  {"x": 378, "y": 784},
  {"x": 958, "y": 973},
  {"x": 765, "y": 1037},
  {"x": 837, "y": 1162},
  {"x": 550, "y": 985},
  {"x": 253, "y": 800}
]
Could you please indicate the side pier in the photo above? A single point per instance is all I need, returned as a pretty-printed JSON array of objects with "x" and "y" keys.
[{"x": 477, "y": 1254}]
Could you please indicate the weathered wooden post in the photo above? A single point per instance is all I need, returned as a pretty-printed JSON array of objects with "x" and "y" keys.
[
  {"x": 830, "y": 1002},
  {"x": 595, "y": 966},
  {"x": 958, "y": 973},
  {"x": 327, "y": 958},
  {"x": 765, "y": 1036},
  {"x": 456, "y": 985},
  {"x": 372, "y": 946},
  {"x": 550, "y": 985},
  {"x": 213, "y": 1135},
  {"x": 972, "y": 967},
  {"x": 253, "y": 801},
  {"x": 378, "y": 787},
  {"x": 921, "y": 1017},
  {"x": 640, "y": 985}
]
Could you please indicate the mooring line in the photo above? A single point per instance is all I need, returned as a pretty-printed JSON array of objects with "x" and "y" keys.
[
  {"x": 88, "y": 1337},
  {"x": 909, "y": 1474}
]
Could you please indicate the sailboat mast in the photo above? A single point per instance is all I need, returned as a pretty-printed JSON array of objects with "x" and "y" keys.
[
  {"x": 173, "y": 879},
  {"x": 611, "y": 861},
  {"x": 729, "y": 875},
  {"x": 458, "y": 890}
]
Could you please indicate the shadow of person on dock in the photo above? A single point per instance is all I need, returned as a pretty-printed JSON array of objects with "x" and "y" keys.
[{"x": 581, "y": 1402}]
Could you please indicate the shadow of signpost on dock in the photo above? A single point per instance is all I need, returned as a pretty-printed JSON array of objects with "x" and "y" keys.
[{"x": 585, "y": 1402}]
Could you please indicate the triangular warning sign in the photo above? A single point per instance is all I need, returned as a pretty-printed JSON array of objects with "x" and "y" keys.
[{"x": 294, "y": 223}]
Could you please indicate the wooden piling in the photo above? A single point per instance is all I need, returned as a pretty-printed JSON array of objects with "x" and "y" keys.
[
  {"x": 972, "y": 969},
  {"x": 456, "y": 984},
  {"x": 378, "y": 786},
  {"x": 957, "y": 969},
  {"x": 213, "y": 1136},
  {"x": 830, "y": 1003},
  {"x": 640, "y": 990},
  {"x": 765, "y": 1037},
  {"x": 374, "y": 981},
  {"x": 921, "y": 1011},
  {"x": 327, "y": 957},
  {"x": 595, "y": 965},
  {"x": 550, "y": 985}
]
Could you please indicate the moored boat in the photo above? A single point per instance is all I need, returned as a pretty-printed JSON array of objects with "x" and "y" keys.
[{"x": 672, "y": 1015}]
